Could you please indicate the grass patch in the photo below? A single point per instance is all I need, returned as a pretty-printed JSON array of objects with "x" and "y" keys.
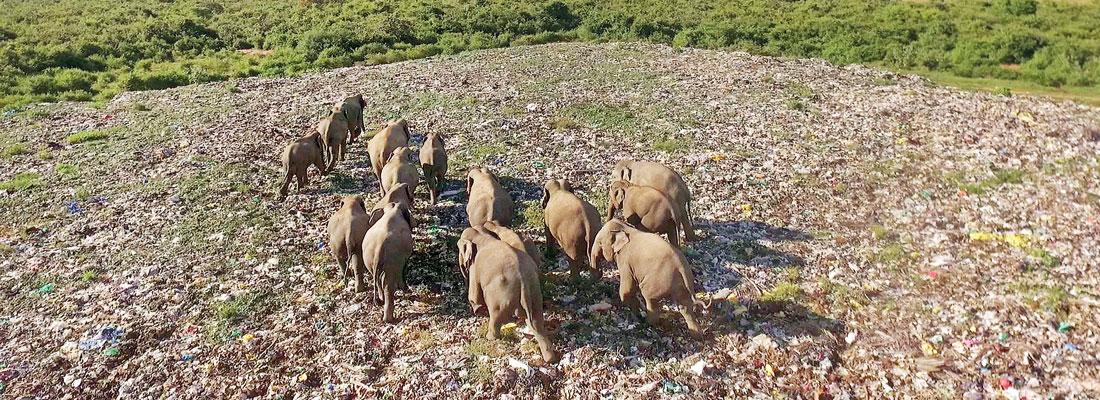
[
  {"x": 891, "y": 255},
  {"x": 44, "y": 154},
  {"x": 1000, "y": 178},
  {"x": 20, "y": 182},
  {"x": 880, "y": 232},
  {"x": 673, "y": 144},
  {"x": 229, "y": 314},
  {"x": 88, "y": 136},
  {"x": 65, "y": 169},
  {"x": 532, "y": 213},
  {"x": 1047, "y": 260},
  {"x": 1052, "y": 299},
  {"x": 1083, "y": 94},
  {"x": 16, "y": 149},
  {"x": 140, "y": 107},
  {"x": 605, "y": 116},
  {"x": 784, "y": 292},
  {"x": 563, "y": 123}
]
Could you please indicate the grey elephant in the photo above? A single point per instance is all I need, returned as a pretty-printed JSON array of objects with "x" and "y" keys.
[
  {"x": 570, "y": 222},
  {"x": 387, "y": 246},
  {"x": 662, "y": 178}
]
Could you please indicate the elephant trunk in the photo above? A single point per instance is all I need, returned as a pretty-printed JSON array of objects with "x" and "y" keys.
[{"x": 594, "y": 257}]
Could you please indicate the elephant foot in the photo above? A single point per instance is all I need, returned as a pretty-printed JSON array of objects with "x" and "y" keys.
[
  {"x": 359, "y": 288},
  {"x": 550, "y": 356}
]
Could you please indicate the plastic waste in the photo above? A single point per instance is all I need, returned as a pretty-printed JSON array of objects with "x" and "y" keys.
[
  {"x": 1065, "y": 326},
  {"x": 672, "y": 387},
  {"x": 106, "y": 335},
  {"x": 111, "y": 352},
  {"x": 47, "y": 288},
  {"x": 74, "y": 208}
]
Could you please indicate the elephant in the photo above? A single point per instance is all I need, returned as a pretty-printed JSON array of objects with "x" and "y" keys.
[
  {"x": 399, "y": 193},
  {"x": 353, "y": 110},
  {"x": 433, "y": 161},
  {"x": 387, "y": 246},
  {"x": 399, "y": 169},
  {"x": 646, "y": 208},
  {"x": 345, "y": 234},
  {"x": 515, "y": 240},
  {"x": 381, "y": 146},
  {"x": 297, "y": 157},
  {"x": 650, "y": 265},
  {"x": 487, "y": 200},
  {"x": 505, "y": 281},
  {"x": 334, "y": 134},
  {"x": 570, "y": 222},
  {"x": 662, "y": 178}
]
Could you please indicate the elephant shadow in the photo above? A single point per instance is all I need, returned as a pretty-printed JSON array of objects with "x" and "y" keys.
[{"x": 728, "y": 249}]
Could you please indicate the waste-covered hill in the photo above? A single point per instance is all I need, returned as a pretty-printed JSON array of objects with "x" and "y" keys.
[{"x": 868, "y": 235}]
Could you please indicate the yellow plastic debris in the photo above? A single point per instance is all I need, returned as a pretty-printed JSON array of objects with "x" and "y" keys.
[
  {"x": 927, "y": 348},
  {"x": 732, "y": 298},
  {"x": 1015, "y": 239},
  {"x": 769, "y": 370},
  {"x": 303, "y": 377},
  {"x": 718, "y": 157},
  {"x": 248, "y": 337},
  {"x": 508, "y": 328},
  {"x": 1025, "y": 116}
]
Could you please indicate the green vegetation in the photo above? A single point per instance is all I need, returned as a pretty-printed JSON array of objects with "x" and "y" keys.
[
  {"x": 1000, "y": 177},
  {"x": 16, "y": 149},
  {"x": 88, "y": 136},
  {"x": 87, "y": 50},
  {"x": 22, "y": 181}
]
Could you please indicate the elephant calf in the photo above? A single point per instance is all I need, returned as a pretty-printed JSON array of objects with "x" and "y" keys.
[
  {"x": 399, "y": 169},
  {"x": 352, "y": 107},
  {"x": 386, "y": 248},
  {"x": 660, "y": 177},
  {"x": 571, "y": 222},
  {"x": 345, "y": 234},
  {"x": 399, "y": 193},
  {"x": 515, "y": 240},
  {"x": 487, "y": 200},
  {"x": 650, "y": 265},
  {"x": 381, "y": 146},
  {"x": 433, "y": 161},
  {"x": 297, "y": 157},
  {"x": 505, "y": 281},
  {"x": 334, "y": 134},
  {"x": 646, "y": 208}
]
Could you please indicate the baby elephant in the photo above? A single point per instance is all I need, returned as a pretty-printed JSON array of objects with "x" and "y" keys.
[
  {"x": 433, "y": 160},
  {"x": 646, "y": 208},
  {"x": 386, "y": 247},
  {"x": 334, "y": 133},
  {"x": 345, "y": 234},
  {"x": 660, "y": 177},
  {"x": 399, "y": 169},
  {"x": 505, "y": 281},
  {"x": 352, "y": 107},
  {"x": 515, "y": 240},
  {"x": 487, "y": 200},
  {"x": 399, "y": 193},
  {"x": 381, "y": 146},
  {"x": 650, "y": 265},
  {"x": 571, "y": 222},
  {"x": 297, "y": 157}
]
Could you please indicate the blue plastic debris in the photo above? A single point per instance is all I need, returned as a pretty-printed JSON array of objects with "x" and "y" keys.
[
  {"x": 106, "y": 335},
  {"x": 74, "y": 207}
]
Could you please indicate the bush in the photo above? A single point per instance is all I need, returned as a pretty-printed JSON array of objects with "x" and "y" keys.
[{"x": 1019, "y": 7}]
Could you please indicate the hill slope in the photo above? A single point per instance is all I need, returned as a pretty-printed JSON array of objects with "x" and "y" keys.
[{"x": 876, "y": 233}]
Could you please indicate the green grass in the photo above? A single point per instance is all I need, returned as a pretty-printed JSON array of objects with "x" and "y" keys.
[
  {"x": 65, "y": 169},
  {"x": 605, "y": 116},
  {"x": 784, "y": 292},
  {"x": 892, "y": 255},
  {"x": 1000, "y": 177},
  {"x": 88, "y": 136},
  {"x": 16, "y": 149},
  {"x": 673, "y": 144},
  {"x": 1082, "y": 94},
  {"x": 532, "y": 213},
  {"x": 20, "y": 182}
]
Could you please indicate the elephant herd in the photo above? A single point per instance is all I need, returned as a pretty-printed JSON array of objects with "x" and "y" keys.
[{"x": 501, "y": 267}]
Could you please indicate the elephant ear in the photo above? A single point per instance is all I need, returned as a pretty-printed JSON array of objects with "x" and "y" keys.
[
  {"x": 625, "y": 174},
  {"x": 359, "y": 202},
  {"x": 409, "y": 192},
  {"x": 440, "y": 136},
  {"x": 545, "y": 197},
  {"x": 619, "y": 240},
  {"x": 566, "y": 185},
  {"x": 469, "y": 183},
  {"x": 375, "y": 215},
  {"x": 406, "y": 214}
]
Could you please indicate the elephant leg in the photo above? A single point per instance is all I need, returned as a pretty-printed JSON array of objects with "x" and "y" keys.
[
  {"x": 359, "y": 270},
  {"x": 303, "y": 179},
  {"x": 332, "y": 156},
  {"x": 689, "y": 229},
  {"x": 543, "y": 338},
  {"x": 495, "y": 321},
  {"x": 388, "y": 289},
  {"x": 673, "y": 236},
  {"x": 356, "y": 264},
  {"x": 320, "y": 164},
  {"x": 652, "y": 312},
  {"x": 689, "y": 318},
  {"x": 379, "y": 297},
  {"x": 342, "y": 262},
  {"x": 574, "y": 267},
  {"x": 628, "y": 294},
  {"x": 286, "y": 182}
]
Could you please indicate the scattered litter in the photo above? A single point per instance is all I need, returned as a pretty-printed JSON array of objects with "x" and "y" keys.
[
  {"x": 699, "y": 368},
  {"x": 106, "y": 335},
  {"x": 672, "y": 387},
  {"x": 47, "y": 288},
  {"x": 1064, "y": 326},
  {"x": 74, "y": 208},
  {"x": 520, "y": 365},
  {"x": 601, "y": 306}
]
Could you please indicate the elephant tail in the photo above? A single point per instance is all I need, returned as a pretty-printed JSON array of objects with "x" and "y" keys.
[
  {"x": 530, "y": 305},
  {"x": 698, "y": 304}
]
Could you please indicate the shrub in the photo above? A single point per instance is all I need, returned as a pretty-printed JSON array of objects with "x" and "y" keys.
[
  {"x": 20, "y": 182},
  {"x": 88, "y": 136}
]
